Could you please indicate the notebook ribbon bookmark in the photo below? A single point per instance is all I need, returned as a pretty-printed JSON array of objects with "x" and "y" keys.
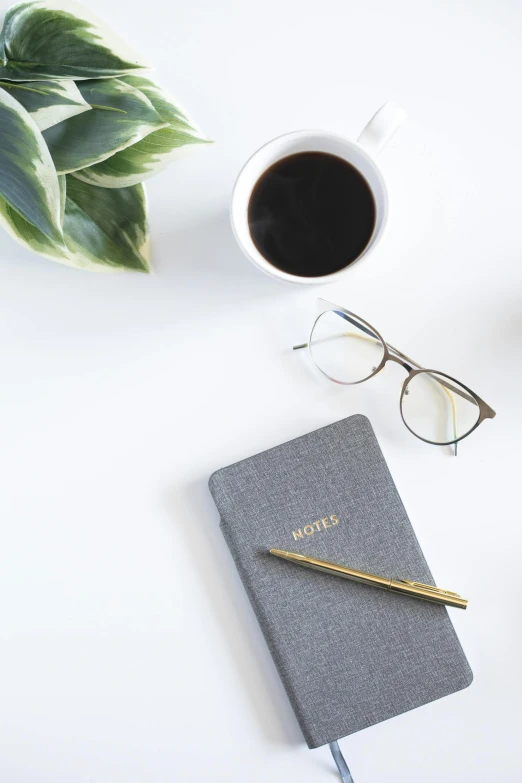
[{"x": 342, "y": 766}]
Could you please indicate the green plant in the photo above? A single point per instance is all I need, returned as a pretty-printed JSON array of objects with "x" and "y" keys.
[{"x": 81, "y": 127}]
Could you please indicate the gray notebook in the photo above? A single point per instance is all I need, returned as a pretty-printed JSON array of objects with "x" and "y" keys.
[{"x": 349, "y": 655}]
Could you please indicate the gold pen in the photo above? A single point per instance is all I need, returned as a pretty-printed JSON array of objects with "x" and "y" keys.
[{"x": 403, "y": 586}]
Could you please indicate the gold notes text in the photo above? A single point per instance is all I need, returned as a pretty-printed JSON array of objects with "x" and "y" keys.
[{"x": 316, "y": 527}]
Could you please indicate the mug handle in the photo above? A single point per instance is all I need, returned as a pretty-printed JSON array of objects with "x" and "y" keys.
[{"x": 381, "y": 128}]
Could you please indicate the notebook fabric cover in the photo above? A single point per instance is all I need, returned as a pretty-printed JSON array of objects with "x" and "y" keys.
[{"x": 349, "y": 655}]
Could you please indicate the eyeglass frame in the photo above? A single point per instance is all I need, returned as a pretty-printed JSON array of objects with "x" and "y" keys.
[{"x": 324, "y": 306}]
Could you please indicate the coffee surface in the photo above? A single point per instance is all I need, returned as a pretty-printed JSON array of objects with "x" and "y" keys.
[{"x": 311, "y": 214}]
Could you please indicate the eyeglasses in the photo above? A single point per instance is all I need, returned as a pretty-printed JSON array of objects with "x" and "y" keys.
[{"x": 435, "y": 407}]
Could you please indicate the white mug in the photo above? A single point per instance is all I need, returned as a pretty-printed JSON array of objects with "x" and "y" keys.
[{"x": 360, "y": 154}]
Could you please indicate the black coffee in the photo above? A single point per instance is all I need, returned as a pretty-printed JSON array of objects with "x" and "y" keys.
[{"x": 311, "y": 214}]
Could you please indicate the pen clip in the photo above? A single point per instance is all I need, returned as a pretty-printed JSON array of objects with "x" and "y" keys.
[{"x": 433, "y": 589}]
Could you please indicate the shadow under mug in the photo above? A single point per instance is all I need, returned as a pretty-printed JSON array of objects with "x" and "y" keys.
[{"x": 360, "y": 154}]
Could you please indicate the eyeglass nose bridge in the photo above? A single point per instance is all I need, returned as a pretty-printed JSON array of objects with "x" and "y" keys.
[{"x": 389, "y": 357}]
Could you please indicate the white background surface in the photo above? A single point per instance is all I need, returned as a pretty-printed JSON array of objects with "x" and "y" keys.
[{"x": 128, "y": 650}]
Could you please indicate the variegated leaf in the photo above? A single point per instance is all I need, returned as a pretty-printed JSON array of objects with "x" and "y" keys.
[
  {"x": 150, "y": 155},
  {"x": 28, "y": 235},
  {"x": 105, "y": 230},
  {"x": 121, "y": 115},
  {"x": 59, "y": 39},
  {"x": 107, "y": 226},
  {"x": 48, "y": 102},
  {"x": 28, "y": 180}
]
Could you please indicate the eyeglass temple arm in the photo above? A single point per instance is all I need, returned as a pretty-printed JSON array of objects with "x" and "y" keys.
[
  {"x": 346, "y": 318},
  {"x": 440, "y": 380},
  {"x": 402, "y": 355}
]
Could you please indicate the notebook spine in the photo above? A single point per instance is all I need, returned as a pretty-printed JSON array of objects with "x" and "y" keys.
[{"x": 281, "y": 664}]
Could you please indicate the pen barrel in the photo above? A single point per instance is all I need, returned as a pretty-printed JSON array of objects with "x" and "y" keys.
[
  {"x": 420, "y": 591},
  {"x": 405, "y": 587},
  {"x": 343, "y": 571}
]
